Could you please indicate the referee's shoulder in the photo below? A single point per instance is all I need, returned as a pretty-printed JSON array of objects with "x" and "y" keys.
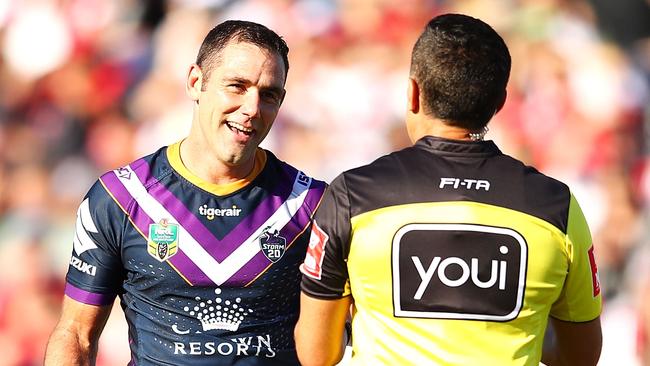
[{"x": 381, "y": 175}]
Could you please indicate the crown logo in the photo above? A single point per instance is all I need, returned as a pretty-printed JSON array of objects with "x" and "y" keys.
[{"x": 218, "y": 313}]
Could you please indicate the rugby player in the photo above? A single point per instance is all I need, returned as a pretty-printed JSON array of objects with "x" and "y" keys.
[{"x": 201, "y": 240}]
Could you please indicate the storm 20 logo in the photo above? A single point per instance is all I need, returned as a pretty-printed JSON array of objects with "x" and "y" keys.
[
  {"x": 273, "y": 245},
  {"x": 458, "y": 271}
]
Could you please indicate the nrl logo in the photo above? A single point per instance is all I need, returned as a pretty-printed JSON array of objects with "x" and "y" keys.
[
  {"x": 273, "y": 245},
  {"x": 124, "y": 173},
  {"x": 163, "y": 240}
]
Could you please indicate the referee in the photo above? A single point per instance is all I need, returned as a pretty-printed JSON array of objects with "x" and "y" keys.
[{"x": 451, "y": 252}]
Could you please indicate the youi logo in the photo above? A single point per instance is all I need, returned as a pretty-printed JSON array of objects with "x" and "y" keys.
[{"x": 458, "y": 271}]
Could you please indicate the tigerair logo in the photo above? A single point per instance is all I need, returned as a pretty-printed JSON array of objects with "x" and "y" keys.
[
  {"x": 458, "y": 271},
  {"x": 211, "y": 212}
]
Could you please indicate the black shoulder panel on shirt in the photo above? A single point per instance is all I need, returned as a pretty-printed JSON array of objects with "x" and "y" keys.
[{"x": 438, "y": 170}]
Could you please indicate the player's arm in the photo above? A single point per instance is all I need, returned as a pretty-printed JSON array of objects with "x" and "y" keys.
[
  {"x": 94, "y": 277},
  {"x": 568, "y": 343},
  {"x": 325, "y": 299},
  {"x": 320, "y": 330},
  {"x": 75, "y": 338},
  {"x": 574, "y": 335}
]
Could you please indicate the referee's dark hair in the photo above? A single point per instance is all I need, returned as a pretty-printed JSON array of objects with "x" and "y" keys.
[
  {"x": 462, "y": 67},
  {"x": 239, "y": 31}
]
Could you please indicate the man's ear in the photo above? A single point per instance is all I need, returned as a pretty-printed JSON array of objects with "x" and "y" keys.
[
  {"x": 502, "y": 102},
  {"x": 194, "y": 82},
  {"x": 284, "y": 94},
  {"x": 413, "y": 96}
]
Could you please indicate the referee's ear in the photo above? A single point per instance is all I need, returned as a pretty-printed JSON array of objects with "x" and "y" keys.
[
  {"x": 413, "y": 96},
  {"x": 502, "y": 101}
]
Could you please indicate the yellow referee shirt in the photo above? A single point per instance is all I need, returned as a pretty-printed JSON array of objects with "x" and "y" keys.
[{"x": 454, "y": 254}]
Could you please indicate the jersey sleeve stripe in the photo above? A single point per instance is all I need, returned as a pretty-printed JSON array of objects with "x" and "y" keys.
[
  {"x": 313, "y": 200},
  {"x": 117, "y": 182},
  {"x": 124, "y": 199},
  {"x": 87, "y": 297}
]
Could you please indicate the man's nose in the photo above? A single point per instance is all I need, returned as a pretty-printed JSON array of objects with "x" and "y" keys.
[{"x": 251, "y": 104}]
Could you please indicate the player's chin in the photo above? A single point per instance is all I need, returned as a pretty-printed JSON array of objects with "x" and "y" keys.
[{"x": 242, "y": 155}]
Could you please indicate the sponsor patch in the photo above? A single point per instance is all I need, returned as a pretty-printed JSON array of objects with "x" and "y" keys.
[
  {"x": 312, "y": 266},
  {"x": 211, "y": 212},
  {"x": 458, "y": 271},
  {"x": 163, "y": 240},
  {"x": 218, "y": 315},
  {"x": 458, "y": 183},
  {"x": 82, "y": 266},
  {"x": 227, "y": 315},
  {"x": 123, "y": 172},
  {"x": 273, "y": 245},
  {"x": 595, "y": 280}
]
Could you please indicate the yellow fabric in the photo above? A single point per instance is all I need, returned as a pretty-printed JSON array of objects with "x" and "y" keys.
[
  {"x": 580, "y": 286},
  {"x": 553, "y": 258}
]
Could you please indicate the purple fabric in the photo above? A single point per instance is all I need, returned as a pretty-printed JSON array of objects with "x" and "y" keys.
[
  {"x": 315, "y": 194},
  {"x": 142, "y": 221},
  {"x": 218, "y": 249},
  {"x": 299, "y": 222},
  {"x": 124, "y": 199},
  {"x": 88, "y": 297}
]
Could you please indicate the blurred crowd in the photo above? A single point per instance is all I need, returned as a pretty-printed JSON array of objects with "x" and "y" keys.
[{"x": 89, "y": 85}]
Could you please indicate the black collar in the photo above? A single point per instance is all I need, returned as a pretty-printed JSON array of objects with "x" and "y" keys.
[{"x": 458, "y": 147}]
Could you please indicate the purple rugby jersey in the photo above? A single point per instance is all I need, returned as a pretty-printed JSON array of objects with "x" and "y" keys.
[{"x": 205, "y": 277}]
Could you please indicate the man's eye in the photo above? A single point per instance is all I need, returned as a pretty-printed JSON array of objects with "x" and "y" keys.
[
  {"x": 271, "y": 98},
  {"x": 236, "y": 87}
]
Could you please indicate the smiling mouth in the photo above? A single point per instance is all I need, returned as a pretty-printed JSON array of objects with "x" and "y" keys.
[{"x": 239, "y": 128}]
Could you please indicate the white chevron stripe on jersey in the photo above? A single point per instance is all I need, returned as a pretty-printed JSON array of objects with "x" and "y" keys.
[
  {"x": 216, "y": 271},
  {"x": 82, "y": 241}
]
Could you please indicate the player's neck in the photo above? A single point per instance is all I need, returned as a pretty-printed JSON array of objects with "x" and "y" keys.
[{"x": 198, "y": 161}]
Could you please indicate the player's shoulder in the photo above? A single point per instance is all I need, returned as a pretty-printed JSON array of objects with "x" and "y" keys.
[
  {"x": 107, "y": 190},
  {"x": 152, "y": 166},
  {"x": 284, "y": 169}
]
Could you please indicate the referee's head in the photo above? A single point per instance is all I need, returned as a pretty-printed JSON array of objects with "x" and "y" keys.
[{"x": 461, "y": 66}]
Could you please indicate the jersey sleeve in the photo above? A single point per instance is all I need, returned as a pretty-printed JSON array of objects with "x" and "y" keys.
[
  {"x": 580, "y": 299},
  {"x": 324, "y": 270},
  {"x": 95, "y": 272}
]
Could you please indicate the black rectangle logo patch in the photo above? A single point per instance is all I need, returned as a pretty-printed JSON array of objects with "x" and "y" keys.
[{"x": 458, "y": 271}]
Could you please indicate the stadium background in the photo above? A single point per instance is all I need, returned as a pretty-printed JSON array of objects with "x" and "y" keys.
[{"x": 88, "y": 85}]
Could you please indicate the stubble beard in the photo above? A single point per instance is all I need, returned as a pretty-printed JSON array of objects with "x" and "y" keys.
[{"x": 239, "y": 155}]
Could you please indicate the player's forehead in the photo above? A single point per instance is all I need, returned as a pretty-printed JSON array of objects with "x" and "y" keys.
[{"x": 240, "y": 59}]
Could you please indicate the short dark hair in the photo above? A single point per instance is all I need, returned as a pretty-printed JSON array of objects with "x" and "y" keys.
[
  {"x": 462, "y": 67},
  {"x": 239, "y": 31}
]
